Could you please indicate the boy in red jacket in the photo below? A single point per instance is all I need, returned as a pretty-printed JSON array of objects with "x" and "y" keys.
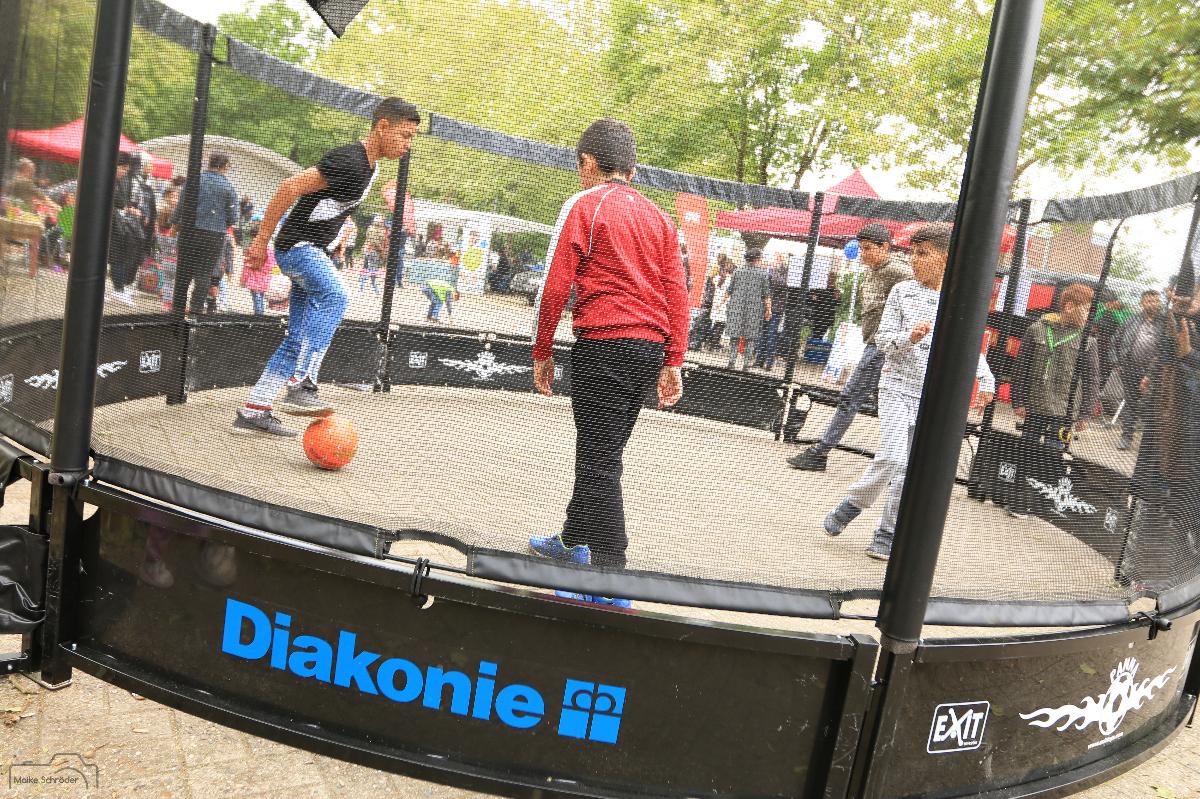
[{"x": 621, "y": 255}]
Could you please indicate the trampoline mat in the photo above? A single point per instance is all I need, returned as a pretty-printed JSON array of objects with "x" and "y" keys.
[{"x": 490, "y": 468}]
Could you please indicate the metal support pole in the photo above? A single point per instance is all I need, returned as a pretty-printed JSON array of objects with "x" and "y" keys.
[
  {"x": 797, "y": 307},
  {"x": 1017, "y": 265},
  {"x": 1186, "y": 284},
  {"x": 395, "y": 262},
  {"x": 966, "y": 294},
  {"x": 10, "y": 76},
  {"x": 1081, "y": 358},
  {"x": 82, "y": 322},
  {"x": 186, "y": 268}
]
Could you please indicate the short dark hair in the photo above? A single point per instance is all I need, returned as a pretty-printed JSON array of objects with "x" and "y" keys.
[
  {"x": 875, "y": 233},
  {"x": 1076, "y": 294},
  {"x": 1150, "y": 293},
  {"x": 612, "y": 144},
  {"x": 394, "y": 109},
  {"x": 936, "y": 233},
  {"x": 218, "y": 160}
]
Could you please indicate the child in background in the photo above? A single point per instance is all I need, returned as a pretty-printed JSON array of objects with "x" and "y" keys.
[
  {"x": 374, "y": 254},
  {"x": 904, "y": 338},
  {"x": 440, "y": 293},
  {"x": 259, "y": 280}
]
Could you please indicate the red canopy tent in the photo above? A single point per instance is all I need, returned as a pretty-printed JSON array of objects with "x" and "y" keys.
[
  {"x": 791, "y": 223},
  {"x": 835, "y": 228},
  {"x": 65, "y": 143}
]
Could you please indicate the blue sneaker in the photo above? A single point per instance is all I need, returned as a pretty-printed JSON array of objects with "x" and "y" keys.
[
  {"x": 613, "y": 602},
  {"x": 846, "y": 512},
  {"x": 552, "y": 546}
]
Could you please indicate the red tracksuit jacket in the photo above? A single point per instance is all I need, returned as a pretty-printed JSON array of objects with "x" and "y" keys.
[{"x": 622, "y": 255}]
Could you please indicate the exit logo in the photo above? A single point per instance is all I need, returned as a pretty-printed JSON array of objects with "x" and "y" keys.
[{"x": 957, "y": 727}]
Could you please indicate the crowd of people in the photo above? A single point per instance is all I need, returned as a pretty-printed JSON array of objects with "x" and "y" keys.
[{"x": 745, "y": 305}]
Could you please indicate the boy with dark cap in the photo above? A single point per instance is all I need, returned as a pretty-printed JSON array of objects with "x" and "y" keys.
[
  {"x": 621, "y": 255},
  {"x": 884, "y": 272}
]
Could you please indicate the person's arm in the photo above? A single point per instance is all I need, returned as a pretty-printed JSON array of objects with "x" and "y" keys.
[
  {"x": 1019, "y": 386},
  {"x": 307, "y": 182},
  {"x": 566, "y": 249},
  {"x": 892, "y": 335},
  {"x": 232, "y": 216}
]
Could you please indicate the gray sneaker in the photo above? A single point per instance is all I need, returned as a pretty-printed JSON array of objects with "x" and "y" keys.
[
  {"x": 302, "y": 400},
  {"x": 880, "y": 547},
  {"x": 813, "y": 459},
  {"x": 846, "y": 512},
  {"x": 266, "y": 422}
]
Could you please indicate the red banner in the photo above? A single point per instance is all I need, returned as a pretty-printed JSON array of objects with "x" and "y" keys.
[{"x": 693, "y": 215}]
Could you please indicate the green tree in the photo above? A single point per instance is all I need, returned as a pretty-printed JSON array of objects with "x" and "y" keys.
[
  {"x": 274, "y": 28},
  {"x": 1115, "y": 86},
  {"x": 756, "y": 91}
]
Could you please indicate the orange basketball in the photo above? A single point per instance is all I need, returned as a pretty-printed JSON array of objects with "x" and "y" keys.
[{"x": 330, "y": 442}]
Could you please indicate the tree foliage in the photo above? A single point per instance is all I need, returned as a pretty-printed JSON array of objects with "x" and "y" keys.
[{"x": 764, "y": 91}]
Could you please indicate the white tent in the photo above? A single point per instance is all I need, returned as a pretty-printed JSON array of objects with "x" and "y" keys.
[{"x": 452, "y": 216}]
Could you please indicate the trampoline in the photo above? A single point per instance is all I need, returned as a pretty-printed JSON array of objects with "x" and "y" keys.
[{"x": 1032, "y": 634}]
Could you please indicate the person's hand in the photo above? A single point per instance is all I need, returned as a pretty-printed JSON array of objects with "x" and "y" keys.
[
  {"x": 670, "y": 386},
  {"x": 134, "y": 212},
  {"x": 256, "y": 255},
  {"x": 1184, "y": 340},
  {"x": 984, "y": 399},
  {"x": 1020, "y": 412},
  {"x": 1144, "y": 385},
  {"x": 920, "y": 330},
  {"x": 543, "y": 376}
]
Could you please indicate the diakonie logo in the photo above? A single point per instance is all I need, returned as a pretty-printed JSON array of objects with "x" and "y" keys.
[{"x": 591, "y": 711}]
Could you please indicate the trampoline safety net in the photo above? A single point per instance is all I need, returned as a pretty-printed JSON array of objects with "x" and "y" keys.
[{"x": 328, "y": 318}]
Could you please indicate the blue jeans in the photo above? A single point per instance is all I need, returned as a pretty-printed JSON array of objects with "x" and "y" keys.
[
  {"x": 260, "y": 302},
  {"x": 435, "y": 304},
  {"x": 858, "y": 389},
  {"x": 768, "y": 344},
  {"x": 315, "y": 309}
]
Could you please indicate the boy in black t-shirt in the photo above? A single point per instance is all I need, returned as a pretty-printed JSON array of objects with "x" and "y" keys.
[{"x": 323, "y": 197}]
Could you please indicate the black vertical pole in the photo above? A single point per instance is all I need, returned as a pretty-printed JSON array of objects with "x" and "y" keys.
[
  {"x": 797, "y": 310},
  {"x": 1017, "y": 265},
  {"x": 10, "y": 42},
  {"x": 1081, "y": 358},
  {"x": 395, "y": 262},
  {"x": 966, "y": 292},
  {"x": 82, "y": 321},
  {"x": 185, "y": 259},
  {"x": 1185, "y": 286}
]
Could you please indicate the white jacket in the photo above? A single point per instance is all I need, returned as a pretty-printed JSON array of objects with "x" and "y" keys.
[{"x": 904, "y": 362}]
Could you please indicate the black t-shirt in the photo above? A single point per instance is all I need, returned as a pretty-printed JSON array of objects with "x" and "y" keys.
[{"x": 316, "y": 218}]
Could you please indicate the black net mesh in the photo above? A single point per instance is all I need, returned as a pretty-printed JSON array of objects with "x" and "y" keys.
[
  {"x": 45, "y": 57},
  {"x": 404, "y": 295}
]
